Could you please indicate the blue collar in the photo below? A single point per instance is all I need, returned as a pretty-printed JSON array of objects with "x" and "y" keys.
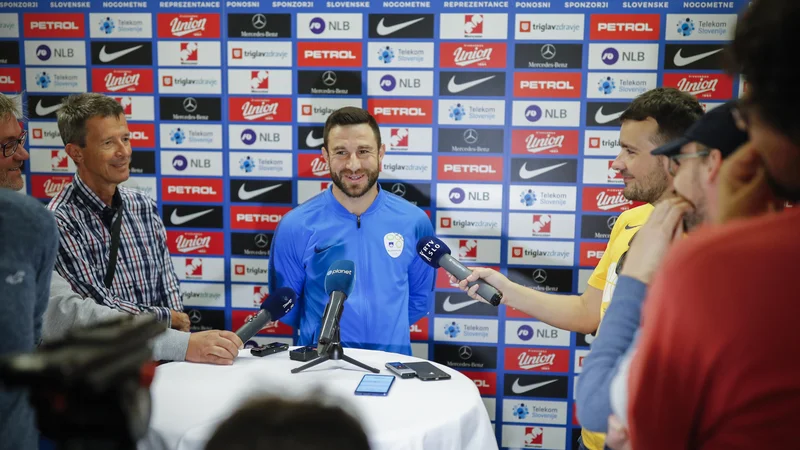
[{"x": 341, "y": 210}]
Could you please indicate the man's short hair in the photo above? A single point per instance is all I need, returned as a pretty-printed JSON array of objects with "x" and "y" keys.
[
  {"x": 350, "y": 115},
  {"x": 79, "y": 108},
  {"x": 280, "y": 424},
  {"x": 8, "y": 106},
  {"x": 762, "y": 53},
  {"x": 673, "y": 110}
]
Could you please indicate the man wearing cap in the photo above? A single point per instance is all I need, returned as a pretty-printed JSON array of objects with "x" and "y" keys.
[{"x": 694, "y": 163}]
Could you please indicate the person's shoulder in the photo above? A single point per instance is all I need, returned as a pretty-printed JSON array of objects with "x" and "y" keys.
[
  {"x": 63, "y": 198},
  {"x": 303, "y": 214},
  {"x": 24, "y": 208},
  {"x": 741, "y": 241},
  {"x": 402, "y": 206},
  {"x": 636, "y": 216}
]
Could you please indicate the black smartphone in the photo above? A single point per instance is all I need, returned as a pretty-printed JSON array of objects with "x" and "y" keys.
[
  {"x": 268, "y": 349},
  {"x": 306, "y": 353},
  {"x": 427, "y": 371}
]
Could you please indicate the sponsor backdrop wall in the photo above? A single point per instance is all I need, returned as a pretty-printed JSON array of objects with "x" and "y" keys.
[{"x": 499, "y": 120}]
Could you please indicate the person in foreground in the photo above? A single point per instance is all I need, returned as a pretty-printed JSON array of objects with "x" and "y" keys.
[
  {"x": 712, "y": 370},
  {"x": 653, "y": 118},
  {"x": 355, "y": 220},
  {"x": 66, "y": 310},
  {"x": 96, "y": 137},
  {"x": 280, "y": 424},
  {"x": 695, "y": 162},
  {"x": 29, "y": 247}
]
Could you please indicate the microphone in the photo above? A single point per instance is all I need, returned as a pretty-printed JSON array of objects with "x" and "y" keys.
[
  {"x": 338, "y": 285},
  {"x": 277, "y": 305},
  {"x": 436, "y": 254}
]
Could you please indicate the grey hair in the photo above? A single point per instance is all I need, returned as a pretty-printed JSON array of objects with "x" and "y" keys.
[
  {"x": 10, "y": 105},
  {"x": 77, "y": 109}
]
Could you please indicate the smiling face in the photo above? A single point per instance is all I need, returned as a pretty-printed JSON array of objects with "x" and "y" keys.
[
  {"x": 11, "y": 166},
  {"x": 354, "y": 158},
  {"x": 645, "y": 175},
  {"x": 106, "y": 157}
]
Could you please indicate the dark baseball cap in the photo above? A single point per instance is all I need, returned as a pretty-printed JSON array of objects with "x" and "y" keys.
[{"x": 715, "y": 129}]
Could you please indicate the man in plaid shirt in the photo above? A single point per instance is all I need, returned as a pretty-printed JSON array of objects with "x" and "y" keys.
[{"x": 96, "y": 137}]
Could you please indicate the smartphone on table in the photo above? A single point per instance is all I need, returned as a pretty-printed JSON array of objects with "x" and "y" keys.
[{"x": 375, "y": 385}]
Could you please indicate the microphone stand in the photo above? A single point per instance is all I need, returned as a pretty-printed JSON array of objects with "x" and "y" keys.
[{"x": 335, "y": 352}]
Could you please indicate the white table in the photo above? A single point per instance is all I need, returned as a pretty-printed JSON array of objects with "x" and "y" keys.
[{"x": 190, "y": 400}]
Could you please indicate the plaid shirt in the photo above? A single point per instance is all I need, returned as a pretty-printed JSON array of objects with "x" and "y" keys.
[{"x": 144, "y": 279}]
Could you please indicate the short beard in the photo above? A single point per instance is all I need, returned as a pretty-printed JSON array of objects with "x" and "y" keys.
[
  {"x": 656, "y": 183},
  {"x": 372, "y": 178}
]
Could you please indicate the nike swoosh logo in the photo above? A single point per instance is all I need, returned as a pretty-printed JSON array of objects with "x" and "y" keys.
[
  {"x": 450, "y": 306},
  {"x": 455, "y": 88},
  {"x": 320, "y": 250},
  {"x": 383, "y": 30},
  {"x": 45, "y": 110},
  {"x": 180, "y": 220},
  {"x": 108, "y": 57},
  {"x": 526, "y": 174},
  {"x": 244, "y": 194},
  {"x": 601, "y": 118},
  {"x": 311, "y": 141},
  {"x": 520, "y": 389},
  {"x": 629, "y": 227},
  {"x": 681, "y": 60}
]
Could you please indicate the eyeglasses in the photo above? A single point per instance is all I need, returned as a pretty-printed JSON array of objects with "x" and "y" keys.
[
  {"x": 674, "y": 160},
  {"x": 10, "y": 147}
]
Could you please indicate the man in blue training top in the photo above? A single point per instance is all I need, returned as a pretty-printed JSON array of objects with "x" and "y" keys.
[{"x": 355, "y": 220}]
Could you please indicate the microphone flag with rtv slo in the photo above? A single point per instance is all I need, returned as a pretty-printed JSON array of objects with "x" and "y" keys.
[
  {"x": 338, "y": 285},
  {"x": 273, "y": 308},
  {"x": 436, "y": 254}
]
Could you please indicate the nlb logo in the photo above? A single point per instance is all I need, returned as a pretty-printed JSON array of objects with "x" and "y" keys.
[{"x": 625, "y": 26}]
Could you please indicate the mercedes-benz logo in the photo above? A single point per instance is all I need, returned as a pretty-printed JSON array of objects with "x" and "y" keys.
[
  {"x": 548, "y": 51},
  {"x": 465, "y": 352},
  {"x": 611, "y": 222},
  {"x": 194, "y": 316},
  {"x": 189, "y": 104},
  {"x": 259, "y": 21},
  {"x": 329, "y": 78},
  {"x": 539, "y": 276},
  {"x": 261, "y": 240},
  {"x": 399, "y": 189},
  {"x": 471, "y": 136}
]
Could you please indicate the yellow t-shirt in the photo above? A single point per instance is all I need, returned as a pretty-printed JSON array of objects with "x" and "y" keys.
[{"x": 604, "y": 278}]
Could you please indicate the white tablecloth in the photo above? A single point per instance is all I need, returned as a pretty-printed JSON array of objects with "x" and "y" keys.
[{"x": 190, "y": 400}]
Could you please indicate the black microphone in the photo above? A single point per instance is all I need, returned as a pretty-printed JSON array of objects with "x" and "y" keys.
[
  {"x": 338, "y": 285},
  {"x": 436, "y": 254},
  {"x": 274, "y": 307}
]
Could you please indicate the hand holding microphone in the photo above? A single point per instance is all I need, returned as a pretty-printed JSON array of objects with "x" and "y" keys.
[
  {"x": 277, "y": 305},
  {"x": 436, "y": 254}
]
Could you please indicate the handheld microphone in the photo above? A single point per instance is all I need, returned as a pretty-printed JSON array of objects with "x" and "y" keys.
[
  {"x": 338, "y": 285},
  {"x": 436, "y": 254},
  {"x": 274, "y": 307}
]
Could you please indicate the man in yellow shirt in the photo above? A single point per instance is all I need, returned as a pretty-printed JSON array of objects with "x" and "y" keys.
[{"x": 654, "y": 118}]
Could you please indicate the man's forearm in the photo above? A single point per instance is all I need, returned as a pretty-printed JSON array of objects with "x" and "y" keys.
[
  {"x": 171, "y": 345},
  {"x": 568, "y": 312}
]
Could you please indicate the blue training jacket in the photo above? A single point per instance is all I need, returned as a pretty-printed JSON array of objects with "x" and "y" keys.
[{"x": 393, "y": 287}]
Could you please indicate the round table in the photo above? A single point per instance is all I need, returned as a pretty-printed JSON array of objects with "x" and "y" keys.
[{"x": 190, "y": 400}]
